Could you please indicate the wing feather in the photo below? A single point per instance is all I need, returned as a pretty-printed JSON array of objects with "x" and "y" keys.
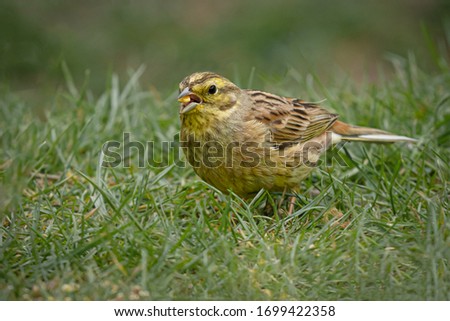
[{"x": 289, "y": 119}]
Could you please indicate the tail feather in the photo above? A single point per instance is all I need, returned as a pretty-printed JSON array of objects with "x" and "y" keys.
[{"x": 348, "y": 132}]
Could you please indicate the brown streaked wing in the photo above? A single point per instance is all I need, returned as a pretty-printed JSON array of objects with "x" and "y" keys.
[{"x": 289, "y": 119}]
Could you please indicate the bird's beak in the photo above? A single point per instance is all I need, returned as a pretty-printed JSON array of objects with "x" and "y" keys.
[{"x": 188, "y": 100}]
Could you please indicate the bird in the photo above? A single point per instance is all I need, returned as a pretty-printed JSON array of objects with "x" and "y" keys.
[{"x": 243, "y": 140}]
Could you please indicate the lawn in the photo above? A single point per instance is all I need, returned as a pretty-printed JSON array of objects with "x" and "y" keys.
[{"x": 372, "y": 226}]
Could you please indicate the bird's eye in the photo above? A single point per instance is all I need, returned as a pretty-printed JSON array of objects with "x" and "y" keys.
[{"x": 212, "y": 89}]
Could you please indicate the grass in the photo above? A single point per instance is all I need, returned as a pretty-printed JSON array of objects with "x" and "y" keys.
[{"x": 375, "y": 229}]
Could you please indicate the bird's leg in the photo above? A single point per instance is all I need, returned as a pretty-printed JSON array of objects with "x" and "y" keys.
[
  {"x": 268, "y": 209},
  {"x": 280, "y": 203},
  {"x": 292, "y": 200},
  {"x": 291, "y": 204}
]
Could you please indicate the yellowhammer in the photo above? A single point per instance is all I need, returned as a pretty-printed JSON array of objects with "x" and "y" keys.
[{"x": 246, "y": 140}]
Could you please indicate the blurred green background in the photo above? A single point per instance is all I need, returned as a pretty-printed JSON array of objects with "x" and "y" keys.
[{"x": 175, "y": 38}]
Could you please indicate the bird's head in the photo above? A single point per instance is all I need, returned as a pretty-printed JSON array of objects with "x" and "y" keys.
[{"x": 207, "y": 93}]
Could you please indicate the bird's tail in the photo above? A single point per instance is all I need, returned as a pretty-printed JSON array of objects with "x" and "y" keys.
[{"x": 345, "y": 132}]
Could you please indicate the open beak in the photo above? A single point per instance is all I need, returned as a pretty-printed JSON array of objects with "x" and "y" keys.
[{"x": 188, "y": 100}]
